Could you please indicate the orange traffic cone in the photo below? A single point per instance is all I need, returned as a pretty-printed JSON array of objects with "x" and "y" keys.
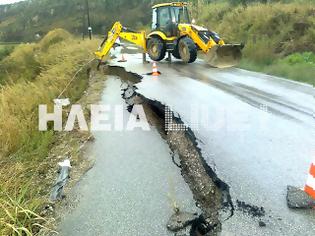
[
  {"x": 155, "y": 71},
  {"x": 123, "y": 59},
  {"x": 310, "y": 183}
]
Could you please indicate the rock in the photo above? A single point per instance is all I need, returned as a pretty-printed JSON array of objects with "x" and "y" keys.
[
  {"x": 262, "y": 224},
  {"x": 124, "y": 86},
  {"x": 129, "y": 92},
  {"x": 297, "y": 198},
  {"x": 179, "y": 221}
]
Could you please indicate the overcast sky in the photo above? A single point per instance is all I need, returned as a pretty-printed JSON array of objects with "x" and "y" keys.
[{"x": 2, "y": 2}]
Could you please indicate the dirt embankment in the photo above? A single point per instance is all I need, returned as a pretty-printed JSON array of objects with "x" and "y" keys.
[{"x": 70, "y": 145}]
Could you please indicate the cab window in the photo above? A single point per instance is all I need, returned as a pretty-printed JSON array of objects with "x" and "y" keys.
[
  {"x": 164, "y": 17},
  {"x": 180, "y": 15},
  {"x": 165, "y": 20}
]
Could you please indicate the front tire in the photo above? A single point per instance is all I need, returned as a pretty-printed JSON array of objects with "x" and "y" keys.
[
  {"x": 187, "y": 50},
  {"x": 156, "y": 48}
]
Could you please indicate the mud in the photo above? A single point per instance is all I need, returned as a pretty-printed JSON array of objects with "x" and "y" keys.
[
  {"x": 180, "y": 220},
  {"x": 252, "y": 210}
]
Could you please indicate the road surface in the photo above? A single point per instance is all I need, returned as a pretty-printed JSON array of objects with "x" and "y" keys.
[
  {"x": 256, "y": 131},
  {"x": 131, "y": 189}
]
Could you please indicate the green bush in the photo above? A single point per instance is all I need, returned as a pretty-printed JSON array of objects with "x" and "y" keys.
[
  {"x": 298, "y": 66},
  {"x": 298, "y": 72},
  {"x": 5, "y": 51},
  {"x": 300, "y": 58}
]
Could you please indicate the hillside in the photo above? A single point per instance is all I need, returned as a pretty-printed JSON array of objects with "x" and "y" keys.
[
  {"x": 25, "y": 20},
  {"x": 279, "y": 35}
]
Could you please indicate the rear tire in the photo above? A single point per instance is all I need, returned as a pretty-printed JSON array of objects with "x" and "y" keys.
[
  {"x": 175, "y": 52},
  {"x": 187, "y": 50},
  {"x": 156, "y": 48}
]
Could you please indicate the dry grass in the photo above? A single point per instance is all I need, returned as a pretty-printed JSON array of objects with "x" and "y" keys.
[
  {"x": 17, "y": 205},
  {"x": 41, "y": 73},
  {"x": 20, "y": 65},
  {"x": 19, "y": 101}
]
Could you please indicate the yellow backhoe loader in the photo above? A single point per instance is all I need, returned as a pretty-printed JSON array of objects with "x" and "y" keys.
[{"x": 173, "y": 32}]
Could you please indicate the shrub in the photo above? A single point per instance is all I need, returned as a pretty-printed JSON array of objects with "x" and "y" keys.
[
  {"x": 53, "y": 37},
  {"x": 298, "y": 72},
  {"x": 260, "y": 52},
  {"x": 27, "y": 60},
  {"x": 299, "y": 67},
  {"x": 20, "y": 65},
  {"x": 300, "y": 58},
  {"x": 5, "y": 51}
]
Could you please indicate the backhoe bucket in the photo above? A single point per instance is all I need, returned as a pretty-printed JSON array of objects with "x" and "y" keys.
[{"x": 222, "y": 56}]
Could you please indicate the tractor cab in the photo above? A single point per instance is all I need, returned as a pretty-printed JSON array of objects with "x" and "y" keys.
[{"x": 167, "y": 16}]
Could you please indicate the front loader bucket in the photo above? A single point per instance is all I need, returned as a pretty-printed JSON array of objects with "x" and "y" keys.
[{"x": 222, "y": 56}]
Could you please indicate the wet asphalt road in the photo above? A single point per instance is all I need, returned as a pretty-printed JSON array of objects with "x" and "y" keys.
[
  {"x": 256, "y": 131},
  {"x": 131, "y": 189}
]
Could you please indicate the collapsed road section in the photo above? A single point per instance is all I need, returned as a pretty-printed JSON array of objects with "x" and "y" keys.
[
  {"x": 252, "y": 148},
  {"x": 208, "y": 207},
  {"x": 210, "y": 193}
]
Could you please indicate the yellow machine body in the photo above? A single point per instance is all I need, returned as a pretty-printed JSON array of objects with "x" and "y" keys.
[{"x": 170, "y": 34}]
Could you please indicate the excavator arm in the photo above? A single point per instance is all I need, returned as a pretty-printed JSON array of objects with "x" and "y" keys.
[{"x": 118, "y": 31}]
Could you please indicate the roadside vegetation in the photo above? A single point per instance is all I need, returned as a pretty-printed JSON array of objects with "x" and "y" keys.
[
  {"x": 33, "y": 74},
  {"x": 279, "y": 37},
  {"x": 5, "y": 50},
  {"x": 274, "y": 32}
]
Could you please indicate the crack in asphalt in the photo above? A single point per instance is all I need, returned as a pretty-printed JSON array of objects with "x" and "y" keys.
[
  {"x": 211, "y": 193},
  {"x": 205, "y": 223}
]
